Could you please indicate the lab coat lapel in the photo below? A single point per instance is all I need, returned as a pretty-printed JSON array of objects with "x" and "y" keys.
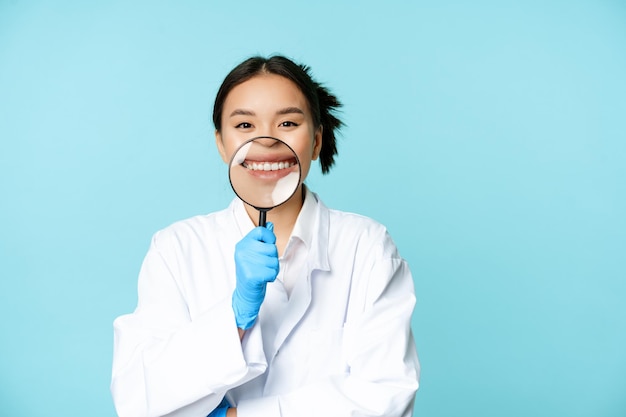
[
  {"x": 298, "y": 305},
  {"x": 300, "y": 299}
]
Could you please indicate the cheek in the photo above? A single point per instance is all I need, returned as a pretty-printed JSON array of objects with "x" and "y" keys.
[
  {"x": 230, "y": 146},
  {"x": 305, "y": 153},
  {"x": 305, "y": 162}
]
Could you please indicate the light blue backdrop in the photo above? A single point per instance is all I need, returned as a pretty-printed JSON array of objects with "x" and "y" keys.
[{"x": 488, "y": 136}]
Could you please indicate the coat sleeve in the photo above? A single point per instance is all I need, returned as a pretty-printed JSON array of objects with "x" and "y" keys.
[
  {"x": 382, "y": 367},
  {"x": 165, "y": 363}
]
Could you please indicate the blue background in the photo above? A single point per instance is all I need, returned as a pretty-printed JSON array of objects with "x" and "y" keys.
[{"x": 489, "y": 136}]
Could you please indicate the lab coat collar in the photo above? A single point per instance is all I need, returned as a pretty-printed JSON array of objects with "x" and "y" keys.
[
  {"x": 308, "y": 215},
  {"x": 312, "y": 227}
]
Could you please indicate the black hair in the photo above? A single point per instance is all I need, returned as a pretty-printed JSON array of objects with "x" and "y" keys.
[{"x": 322, "y": 103}]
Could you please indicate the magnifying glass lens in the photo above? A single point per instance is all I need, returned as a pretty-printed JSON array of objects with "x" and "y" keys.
[{"x": 264, "y": 173}]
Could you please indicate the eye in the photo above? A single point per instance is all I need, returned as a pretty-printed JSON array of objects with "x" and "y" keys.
[
  {"x": 288, "y": 124},
  {"x": 243, "y": 125}
]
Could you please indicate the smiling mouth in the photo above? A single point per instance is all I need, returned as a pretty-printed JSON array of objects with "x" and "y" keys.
[{"x": 267, "y": 165}]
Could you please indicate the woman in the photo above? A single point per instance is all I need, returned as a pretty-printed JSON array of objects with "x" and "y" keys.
[{"x": 308, "y": 316}]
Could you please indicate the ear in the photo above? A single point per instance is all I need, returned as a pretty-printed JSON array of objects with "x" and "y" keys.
[
  {"x": 317, "y": 142},
  {"x": 220, "y": 146}
]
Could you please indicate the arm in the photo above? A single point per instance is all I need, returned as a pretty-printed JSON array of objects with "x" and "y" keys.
[{"x": 165, "y": 362}]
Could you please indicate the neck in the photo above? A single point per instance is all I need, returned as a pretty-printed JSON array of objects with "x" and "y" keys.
[{"x": 284, "y": 217}]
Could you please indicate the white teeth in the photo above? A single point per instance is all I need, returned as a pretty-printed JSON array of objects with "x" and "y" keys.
[{"x": 268, "y": 166}]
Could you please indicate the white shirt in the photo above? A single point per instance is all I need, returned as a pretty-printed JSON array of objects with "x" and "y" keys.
[{"x": 341, "y": 344}]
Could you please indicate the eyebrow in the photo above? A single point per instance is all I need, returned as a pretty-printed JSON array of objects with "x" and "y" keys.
[
  {"x": 286, "y": 110},
  {"x": 289, "y": 110},
  {"x": 241, "y": 112}
]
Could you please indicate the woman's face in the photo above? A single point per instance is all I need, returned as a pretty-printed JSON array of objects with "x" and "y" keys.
[{"x": 269, "y": 105}]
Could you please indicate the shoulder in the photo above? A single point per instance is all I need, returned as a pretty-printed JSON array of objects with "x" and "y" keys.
[
  {"x": 361, "y": 248},
  {"x": 196, "y": 229},
  {"x": 354, "y": 223},
  {"x": 347, "y": 228}
]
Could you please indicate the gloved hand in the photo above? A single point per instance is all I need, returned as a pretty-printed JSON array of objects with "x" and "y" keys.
[
  {"x": 221, "y": 409},
  {"x": 256, "y": 264}
]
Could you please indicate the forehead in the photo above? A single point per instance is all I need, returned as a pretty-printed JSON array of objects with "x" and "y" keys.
[{"x": 265, "y": 92}]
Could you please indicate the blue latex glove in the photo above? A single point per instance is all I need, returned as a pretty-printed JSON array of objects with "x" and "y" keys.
[
  {"x": 221, "y": 409},
  {"x": 256, "y": 263}
]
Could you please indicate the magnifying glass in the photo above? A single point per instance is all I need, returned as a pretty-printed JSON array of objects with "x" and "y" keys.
[{"x": 264, "y": 173}]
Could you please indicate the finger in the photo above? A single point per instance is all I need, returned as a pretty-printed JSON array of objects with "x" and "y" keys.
[
  {"x": 268, "y": 274},
  {"x": 260, "y": 259},
  {"x": 262, "y": 234},
  {"x": 261, "y": 248}
]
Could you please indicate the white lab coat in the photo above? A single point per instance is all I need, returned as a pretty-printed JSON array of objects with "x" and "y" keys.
[{"x": 340, "y": 345}]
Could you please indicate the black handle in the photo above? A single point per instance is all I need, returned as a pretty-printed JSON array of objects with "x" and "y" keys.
[{"x": 262, "y": 215}]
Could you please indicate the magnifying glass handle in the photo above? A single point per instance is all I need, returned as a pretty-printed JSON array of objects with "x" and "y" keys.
[{"x": 262, "y": 215}]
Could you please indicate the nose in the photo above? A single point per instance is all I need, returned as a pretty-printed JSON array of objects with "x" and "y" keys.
[{"x": 266, "y": 141}]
